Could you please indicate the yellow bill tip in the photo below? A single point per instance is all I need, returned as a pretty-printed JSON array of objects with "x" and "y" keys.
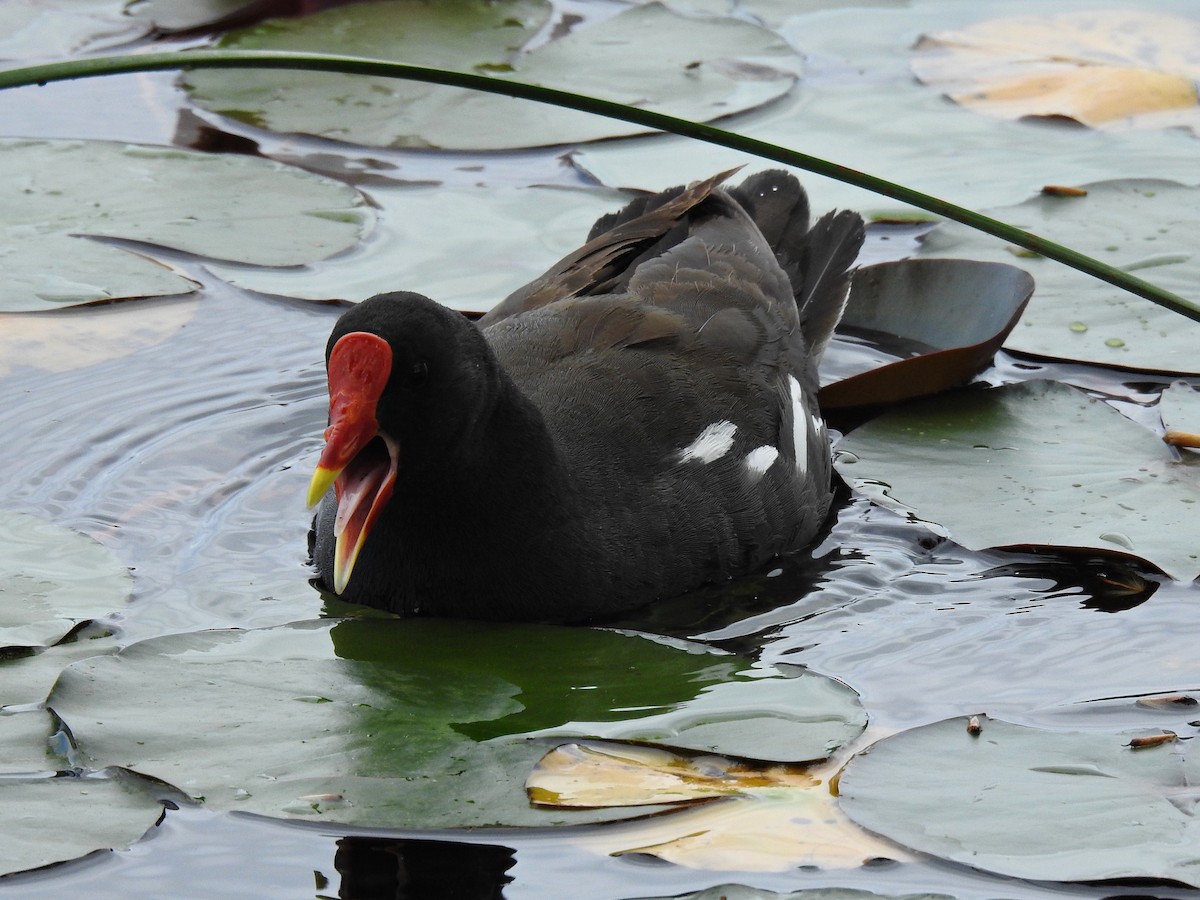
[{"x": 319, "y": 486}]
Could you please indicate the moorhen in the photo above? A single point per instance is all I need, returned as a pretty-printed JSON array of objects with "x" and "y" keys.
[{"x": 638, "y": 421}]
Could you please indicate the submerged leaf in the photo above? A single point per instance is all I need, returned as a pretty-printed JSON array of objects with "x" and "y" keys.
[
  {"x": 51, "y": 579},
  {"x": 1105, "y": 69},
  {"x": 710, "y": 67},
  {"x": 1142, "y": 225},
  {"x": 1032, "y": 804},
  {"x": 234, "y": 208},
  {"x": 1035, "y": 463}
]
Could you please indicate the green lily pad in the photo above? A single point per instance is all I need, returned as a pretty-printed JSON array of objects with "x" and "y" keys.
[
  {"x": 51, "y": 579},
  {"x": 1037, "y": 463},
  {"x": 404, "y": 723},
  {"x": 50, "y": 820},
  {"x": 710, "y": 68},
  {"x": 491, "y": 240},
  {"x": 25, "y": 744},
  {"x": 1032, "y": 804},
  {"x": 39, "y": 29},
  {"x": 764, "y": 714},
  {"x": 1141, "y": 225},
  {"x": 235, "y": 208},
  {"x": 26, "y": 677}
]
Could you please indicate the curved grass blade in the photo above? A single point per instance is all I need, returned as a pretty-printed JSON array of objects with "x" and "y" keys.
[{"x": 231, "y": 59}]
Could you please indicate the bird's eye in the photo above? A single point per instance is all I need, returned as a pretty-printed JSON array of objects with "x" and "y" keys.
[{"x": 418, "y": 374}]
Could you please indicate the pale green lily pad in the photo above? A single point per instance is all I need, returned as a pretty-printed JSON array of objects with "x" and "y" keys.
[
  {"x": 1141, "y": 225},
  {"x": 710, "y": 68},
  {"x": 235, "y": 208},
  {"x": 51, "y": 820},
  {"x": 465, "y": 247},
  {"x": 25, "y": 744},
  {"x": 1032, "y": 804},
  {"x": 405, "y": 723},
  {"x": 769, "y": 715},
  {"x": 51, "y": 579},
  {"x": 184, "y": 15},
  {"x": 38, "y": 29},
  {"x": 1035, "y": 463},
  {"x": 26, "y": 679}
]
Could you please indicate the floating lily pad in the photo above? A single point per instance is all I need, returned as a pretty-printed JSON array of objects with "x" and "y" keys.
[
  {"x": 235, "y": 208},
  {"x": 37, "y": 29},
  {"x": 1102, "y": 68},
  {"x": 404, "y": 723},
  {"x": 48, "y": 820},
  {"x": 1037, "y": 463},
  {"x": 185, "y": 15},
  {"x": 710, "y": 67},
  {"x": 861, "y": 107},
  {"x": 488, "y": 241},
  {"x": 1032, "y": 804},
  {"x": 916, "y": 327},
  {"x": 25, "y": 744},
  {"x": 26, "y": 677},
  {"x": 765, "y": 818},
  {"x": 51, "y": 579},
  {"x": 1142, "y": 225},
  {"x": 800, "y": 718}
]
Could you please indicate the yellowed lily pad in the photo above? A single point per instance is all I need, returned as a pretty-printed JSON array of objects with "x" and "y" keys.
[
  {"x": 601, "y": 774},
  {"x": 1113, "y": 69},
  {"x": 762, "y": 817}
]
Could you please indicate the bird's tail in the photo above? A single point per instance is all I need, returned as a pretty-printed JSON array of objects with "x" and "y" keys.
[{"x": 817, "y": 259}]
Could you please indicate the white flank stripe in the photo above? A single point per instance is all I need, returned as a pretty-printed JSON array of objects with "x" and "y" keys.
[
  {"x": 760, "y": 459},
  {"x": 712, "y": 443},
  {"x": 799, "y": 425}
]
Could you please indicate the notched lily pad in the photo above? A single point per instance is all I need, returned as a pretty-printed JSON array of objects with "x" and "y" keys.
[
  {"x": 916, "y": 327},
  {"x": 51, "y": 579},
  {"x": 49, "y": 820},
  {"x": 710, "y": 68},
  {"x": 1032, "y": 804},
  {"x": 233, "y": 208},
  {"x": 1037, "y": 463},
  {"x": 1114, "y": 69},
  {"x": 1141, "y": 225},
  {"x": 404, "y": 723}
]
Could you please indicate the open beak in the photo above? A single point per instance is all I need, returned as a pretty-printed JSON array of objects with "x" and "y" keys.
[{"x": 358, "y": 461}]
